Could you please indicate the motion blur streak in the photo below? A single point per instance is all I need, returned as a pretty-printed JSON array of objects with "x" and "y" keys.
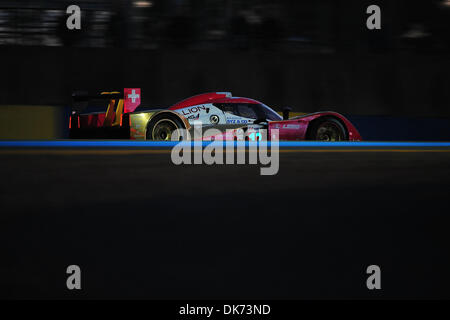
[{"x": 168, "y": 144}]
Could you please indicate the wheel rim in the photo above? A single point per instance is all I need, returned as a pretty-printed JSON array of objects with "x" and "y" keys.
[
  {"x": 163, "y": 130},
  {"x": 329, "y": 131}
]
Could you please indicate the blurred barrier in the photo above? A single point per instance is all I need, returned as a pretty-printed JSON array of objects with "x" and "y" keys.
[
  {"x": 31, "y": 122},
  {"x": 379, "y": 128},
  {"x": 400, "y": 84}
]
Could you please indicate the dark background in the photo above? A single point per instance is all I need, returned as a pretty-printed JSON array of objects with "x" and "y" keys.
[
  {"x": 141, "y": 227},
  {"x": 310, "y": 55}
]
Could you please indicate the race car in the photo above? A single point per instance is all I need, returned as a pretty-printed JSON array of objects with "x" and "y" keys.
[{"x": 119, "y": 115}]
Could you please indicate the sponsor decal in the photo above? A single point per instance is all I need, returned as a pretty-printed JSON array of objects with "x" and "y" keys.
[
  {"x": 287, "y": 126},
  {"x": 214, "y": 119},
  {"x": 291, "y": 126},
  {"x": 237, "y": 121},
  {"x": 194, "y": 117},
  {"x": 191, "y": 110},
  {"x": 255, "y": 136}
]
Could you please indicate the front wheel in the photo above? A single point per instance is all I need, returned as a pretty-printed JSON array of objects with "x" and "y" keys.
[{"x": 327, "y": 129}]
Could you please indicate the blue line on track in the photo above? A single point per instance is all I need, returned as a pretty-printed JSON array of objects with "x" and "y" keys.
[{"x": 164, "y": 144}]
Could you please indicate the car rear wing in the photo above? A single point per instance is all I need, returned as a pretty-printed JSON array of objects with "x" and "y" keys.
[
  {"x": 119, "y": 104},
  {"x": 131, "y": 97}
]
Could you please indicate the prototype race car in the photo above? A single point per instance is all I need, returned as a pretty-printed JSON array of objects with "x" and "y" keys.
[{"x": 123, "y": 118}]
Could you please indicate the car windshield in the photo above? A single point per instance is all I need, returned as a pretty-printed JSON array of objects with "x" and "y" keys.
[
  {"x": 270, "y": 114},
  {"x": 250, "y": 111}
]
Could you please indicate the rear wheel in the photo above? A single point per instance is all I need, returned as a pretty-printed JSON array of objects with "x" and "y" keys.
[
  {"x": 327, "y": 129},
  {"x": 161, "y": 127}
]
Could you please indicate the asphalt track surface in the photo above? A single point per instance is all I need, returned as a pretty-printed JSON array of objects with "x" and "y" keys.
[{"x": 141, "y": 227}]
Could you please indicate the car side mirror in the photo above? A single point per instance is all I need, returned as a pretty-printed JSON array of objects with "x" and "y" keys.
[{"x": 286, "y": 111}]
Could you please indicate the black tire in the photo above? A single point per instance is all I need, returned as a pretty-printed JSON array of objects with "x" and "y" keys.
[
  {"x": 326, "y": 129},
  {"x": 162, "y": 126}
]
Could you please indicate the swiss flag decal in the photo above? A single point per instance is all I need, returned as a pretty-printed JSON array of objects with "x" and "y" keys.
[{"x": 132, "y": 98}]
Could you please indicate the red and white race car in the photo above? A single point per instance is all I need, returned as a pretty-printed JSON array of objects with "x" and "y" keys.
[{"x": 123, "y": 118}]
